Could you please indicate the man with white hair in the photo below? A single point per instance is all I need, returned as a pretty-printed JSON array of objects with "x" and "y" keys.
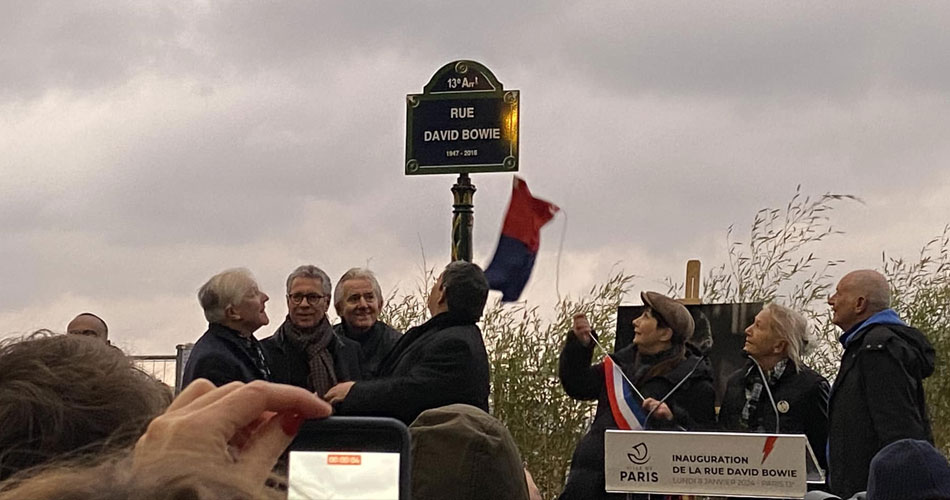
[
  {"x": 234, "y": 307},
  {"x": 775, "y": 343},
  {"x": 358, "y": 301},
  {"x": 878, "y": 396}
]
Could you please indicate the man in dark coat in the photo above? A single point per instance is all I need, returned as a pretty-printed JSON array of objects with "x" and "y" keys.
[
  {"x": 358, "y": 300},
  {"x": 441, "y": 362},
  {"x": 305, "y": 351},
  {"x": 234, "y": 307},
  {"x": 658, "y": 360},
  {"x": 878, "y": 396},
  {"x": 776, "y": 341}
]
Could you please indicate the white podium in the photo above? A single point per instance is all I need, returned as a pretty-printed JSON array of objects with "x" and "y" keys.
[{"x": 709, "y": 463}]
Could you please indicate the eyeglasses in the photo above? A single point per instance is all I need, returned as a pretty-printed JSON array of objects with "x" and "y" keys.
[{"x": 312, "y": 298}]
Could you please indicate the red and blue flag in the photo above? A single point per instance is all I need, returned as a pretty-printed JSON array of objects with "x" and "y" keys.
[{"x": 520, "y": 239}]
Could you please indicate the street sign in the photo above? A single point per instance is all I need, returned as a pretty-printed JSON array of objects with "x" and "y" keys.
[{"x": 464, "y": 121}]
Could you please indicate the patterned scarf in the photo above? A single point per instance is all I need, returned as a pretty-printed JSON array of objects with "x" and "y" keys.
[
  {"x": 753, "y": 393},
  {"x": 314, "y": 342},
  {"x": 253, "y": 348}
]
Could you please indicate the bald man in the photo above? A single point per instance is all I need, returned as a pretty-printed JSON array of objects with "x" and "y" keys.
[
  {"x": 90, "y": 325},
  {"x": 878, "y": 395}
]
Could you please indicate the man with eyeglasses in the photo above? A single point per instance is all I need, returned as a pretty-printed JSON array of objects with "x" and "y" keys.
[
  {"x": 358, "y": 300},
  {"x": 305, "y": 351}
]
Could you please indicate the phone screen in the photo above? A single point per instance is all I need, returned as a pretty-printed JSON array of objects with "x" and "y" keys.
[{"x": 343, "y": 475}]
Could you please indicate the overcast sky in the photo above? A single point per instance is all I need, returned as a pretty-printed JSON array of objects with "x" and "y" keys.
[{"x": 146, "y": 146}]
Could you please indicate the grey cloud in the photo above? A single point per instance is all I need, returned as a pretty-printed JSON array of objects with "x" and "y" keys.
[
  {"x": 82, "y": 46},
  {"x": 740, "y": 50},
  {"x": 267, "y": 134},
  {"x": 763, "y": 50}
]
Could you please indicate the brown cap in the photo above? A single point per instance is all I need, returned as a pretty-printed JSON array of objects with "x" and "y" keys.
[
  {"x": 463, "y": 453},
  {"x": 673, "y": 313}
]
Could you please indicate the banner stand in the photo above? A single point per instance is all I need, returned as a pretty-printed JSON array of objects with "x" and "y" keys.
[{"x": 709, "y": 463}]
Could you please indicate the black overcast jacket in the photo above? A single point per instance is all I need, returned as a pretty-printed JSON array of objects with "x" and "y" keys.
[
  {"x": 374, "y": 344},
  {"x": 439, "y": 363},
  {"x": 801, "y": 396},
  {"x": 877, "y": 398},
  {"x": 222, "y": 356}
]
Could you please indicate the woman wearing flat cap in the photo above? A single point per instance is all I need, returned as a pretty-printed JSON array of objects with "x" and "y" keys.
[{"x": 673, "y": 377}]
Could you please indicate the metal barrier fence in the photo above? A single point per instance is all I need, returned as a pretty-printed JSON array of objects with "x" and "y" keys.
[{"x": 167, "y": 368}]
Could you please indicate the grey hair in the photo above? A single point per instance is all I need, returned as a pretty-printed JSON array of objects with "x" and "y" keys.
[
  {"x": 792, "y": 327},
  {"x": 224, "y": 289},
  {"x": 312, "y": 272},
  {"x": 356, "y": 273}
]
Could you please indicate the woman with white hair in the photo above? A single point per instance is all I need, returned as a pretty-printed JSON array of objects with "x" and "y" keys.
[
  {"x": 234, "y": 307},
  {"x": 796, "y": 398}
]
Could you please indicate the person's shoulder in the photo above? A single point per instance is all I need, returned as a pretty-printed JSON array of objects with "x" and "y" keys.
[
  {"x": 695, "y": 365},
  {"x": 274, "y": 339},
  {"x": 272, "y": 345},
  {"x": 880, "y": 337},
  {"x": 454, "y": 337},
  {"x": 878, "y": 334},
  {"x": 811, "y": 382},
  {"x": 389, "y": 331},
  {"x": 737, "y": 375},
  {"x": 208, "y": 340},
  {"x": 209, "y": 352},
  {"x": 466, "y": 329},
  {"x": 807, "y": 373},
  {"x": 342, "y": 341}
]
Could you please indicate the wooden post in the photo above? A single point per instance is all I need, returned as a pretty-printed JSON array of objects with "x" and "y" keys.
[{"x": 691, "y": 295}]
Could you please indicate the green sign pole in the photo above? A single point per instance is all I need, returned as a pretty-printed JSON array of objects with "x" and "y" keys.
[
  {"x": 463, "y": 218},
  {"x": 463, "y": 122}
]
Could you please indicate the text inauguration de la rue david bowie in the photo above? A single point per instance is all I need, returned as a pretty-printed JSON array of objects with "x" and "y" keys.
[{"x": 723, "y": 470}]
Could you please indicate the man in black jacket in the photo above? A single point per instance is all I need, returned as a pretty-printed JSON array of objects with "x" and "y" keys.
[
  {"x": 878, "y": 396},
  {"x": 305, "y": 351},
  {"x": 441, "y": 362},
  {"x": 358, "y": 300},
  {"x": 234, "y": 307}
]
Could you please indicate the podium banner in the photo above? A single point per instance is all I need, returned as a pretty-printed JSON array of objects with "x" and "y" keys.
[{"x": 705, "y": 463}]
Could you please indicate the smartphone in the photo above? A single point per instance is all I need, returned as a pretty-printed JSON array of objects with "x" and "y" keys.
[{"x": 350, "y": 458}]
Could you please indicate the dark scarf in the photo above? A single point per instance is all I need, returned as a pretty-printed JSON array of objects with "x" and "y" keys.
[
  {"x": 753, "y": 392},
  {"x": 648, "y": 366},
  {"x": 314, "y": 342}
]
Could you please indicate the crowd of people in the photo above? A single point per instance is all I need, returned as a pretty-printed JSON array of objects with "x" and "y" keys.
[
  {"x": 80, "y": 420},
  {"x": 877, "y": 397}
]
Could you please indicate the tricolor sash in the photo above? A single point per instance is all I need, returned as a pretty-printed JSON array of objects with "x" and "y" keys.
[{"x": 624, "y": 404}]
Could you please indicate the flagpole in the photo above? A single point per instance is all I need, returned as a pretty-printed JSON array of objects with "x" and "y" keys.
[{"x": 622, "y": 374}]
